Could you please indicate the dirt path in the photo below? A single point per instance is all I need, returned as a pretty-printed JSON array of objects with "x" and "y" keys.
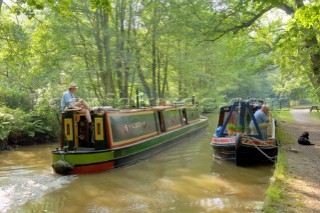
[{"x": 303, "y": 165}]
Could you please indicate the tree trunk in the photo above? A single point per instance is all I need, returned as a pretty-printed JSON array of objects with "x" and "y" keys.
[
  {"x": 165, "y": 77},
  {"x": 145, "y": 85},
  {"x": 109, "y": 86},
  {"x": 102, "y": 74},
  {"x": 315, "y": 64},
  {"x": 158, "y": 75},
  {"x": 120, "y": 57},
  {"x": 154, "y": 57},
  {"x": 98, "y": 41}
]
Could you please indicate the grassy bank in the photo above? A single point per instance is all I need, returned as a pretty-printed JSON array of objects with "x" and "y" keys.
[{"x": 276, "y": 201}]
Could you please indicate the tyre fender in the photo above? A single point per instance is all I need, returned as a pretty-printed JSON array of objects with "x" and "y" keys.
[
  {"x": 238, "y": 141},
  {"x": 238, "y": 144}
]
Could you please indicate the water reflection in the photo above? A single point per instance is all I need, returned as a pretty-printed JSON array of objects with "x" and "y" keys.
[{"x": 184, "y": 178}]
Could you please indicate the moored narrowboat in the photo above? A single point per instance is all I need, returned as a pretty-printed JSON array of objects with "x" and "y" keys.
[
  {"x": 121, "y": 136},
  {"x": 243, "y": 145}
]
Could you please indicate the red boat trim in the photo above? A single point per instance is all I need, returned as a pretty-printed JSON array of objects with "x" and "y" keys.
[
  {"x": 223, "y": 140},
  {"x": 92, "y": 168}
]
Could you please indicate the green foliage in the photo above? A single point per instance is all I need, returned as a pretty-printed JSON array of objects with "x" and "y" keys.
[
  {"x": 295, "y": 48},
  {"x": 27, "y": 7},
  {"x": 104, "y": 4},
  {"x": 239, "y": 128},
  {"x": 231, "y": 126},
  {"x": 15, "y": 98},
  {"x": 16, "y": 123},
  {"x": 47, "y": 107},
  {"x": 283, "y": 115},
  {"x": 306, "y": 21}
]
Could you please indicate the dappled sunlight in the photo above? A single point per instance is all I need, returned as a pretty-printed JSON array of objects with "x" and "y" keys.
[
  {"x": 25, "y": 157},
  {"x": 201, "y": 191},
  {"x": 21, "y": 157},
  {"x": 306, "y": 190},
  {"x": 189, "y": 186},
  {"x": 126, "y": 197}
]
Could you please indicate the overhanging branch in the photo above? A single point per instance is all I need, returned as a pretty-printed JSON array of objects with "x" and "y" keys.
[{"x": 243, "y": 25}]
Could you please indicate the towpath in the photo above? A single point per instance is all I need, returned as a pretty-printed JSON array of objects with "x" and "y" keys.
[{"x": 303, "y": 164}]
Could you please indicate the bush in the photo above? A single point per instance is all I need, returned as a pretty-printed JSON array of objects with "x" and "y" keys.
[
  {"x": 16, "y": 126},
  {"x": 15, "y": 98}
]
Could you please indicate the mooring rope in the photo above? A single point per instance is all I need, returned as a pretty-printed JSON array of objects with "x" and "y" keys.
[
  {"x": 273, "y": 159},
  {"x": 261, "y": 141}
]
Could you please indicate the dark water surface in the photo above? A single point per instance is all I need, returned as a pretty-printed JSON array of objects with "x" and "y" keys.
[{"x": 183, "y": 178}]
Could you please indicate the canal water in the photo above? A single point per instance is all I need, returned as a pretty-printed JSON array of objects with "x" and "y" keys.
[{"x": 183, "y": 178}]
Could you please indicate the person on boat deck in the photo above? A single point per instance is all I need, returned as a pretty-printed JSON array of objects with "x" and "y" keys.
[
  {"x": 69, "y": 101},
  {"x": 262, "y": 118}
]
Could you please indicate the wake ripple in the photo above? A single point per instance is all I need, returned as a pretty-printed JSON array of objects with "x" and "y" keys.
[{"x": 19, "y": 185}]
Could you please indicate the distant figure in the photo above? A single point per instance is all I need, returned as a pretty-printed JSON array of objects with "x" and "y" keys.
[{"x": 304, "y": 139}]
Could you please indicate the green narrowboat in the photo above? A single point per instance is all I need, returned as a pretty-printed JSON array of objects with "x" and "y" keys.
[{"x": 121, "y": 136}]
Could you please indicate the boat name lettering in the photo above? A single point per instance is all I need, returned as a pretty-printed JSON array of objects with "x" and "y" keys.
[{"x": 135, "y": 125}]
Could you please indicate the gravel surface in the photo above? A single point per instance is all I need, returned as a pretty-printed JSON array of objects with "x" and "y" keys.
[{"x": 303, "y": 164}]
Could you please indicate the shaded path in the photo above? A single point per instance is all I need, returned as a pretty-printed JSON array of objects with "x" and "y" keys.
[{"x": 303, "y": 165}]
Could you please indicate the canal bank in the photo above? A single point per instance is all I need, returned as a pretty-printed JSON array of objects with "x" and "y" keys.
[{"x": 295, "y": 185}]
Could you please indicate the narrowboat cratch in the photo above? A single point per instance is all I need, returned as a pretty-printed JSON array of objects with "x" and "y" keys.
[
  {"x": 121, "y": 136},
  {"x": 236, "y": 140}
]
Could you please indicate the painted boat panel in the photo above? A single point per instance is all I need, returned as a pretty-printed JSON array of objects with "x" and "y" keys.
[
  {"x": 84, "y": 157},
  {"x": 193, "y": 115},
  {"x": 172, "y": 119},
  {"x": 100, "y": 132},
  {"x": 128, "y": 127},
  {"x": 155, "y": 141}
]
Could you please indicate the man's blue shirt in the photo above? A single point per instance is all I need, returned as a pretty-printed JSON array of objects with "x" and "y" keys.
[
  {"x": 66, "y": 98},
  {"x": 260, "y": 117}
]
